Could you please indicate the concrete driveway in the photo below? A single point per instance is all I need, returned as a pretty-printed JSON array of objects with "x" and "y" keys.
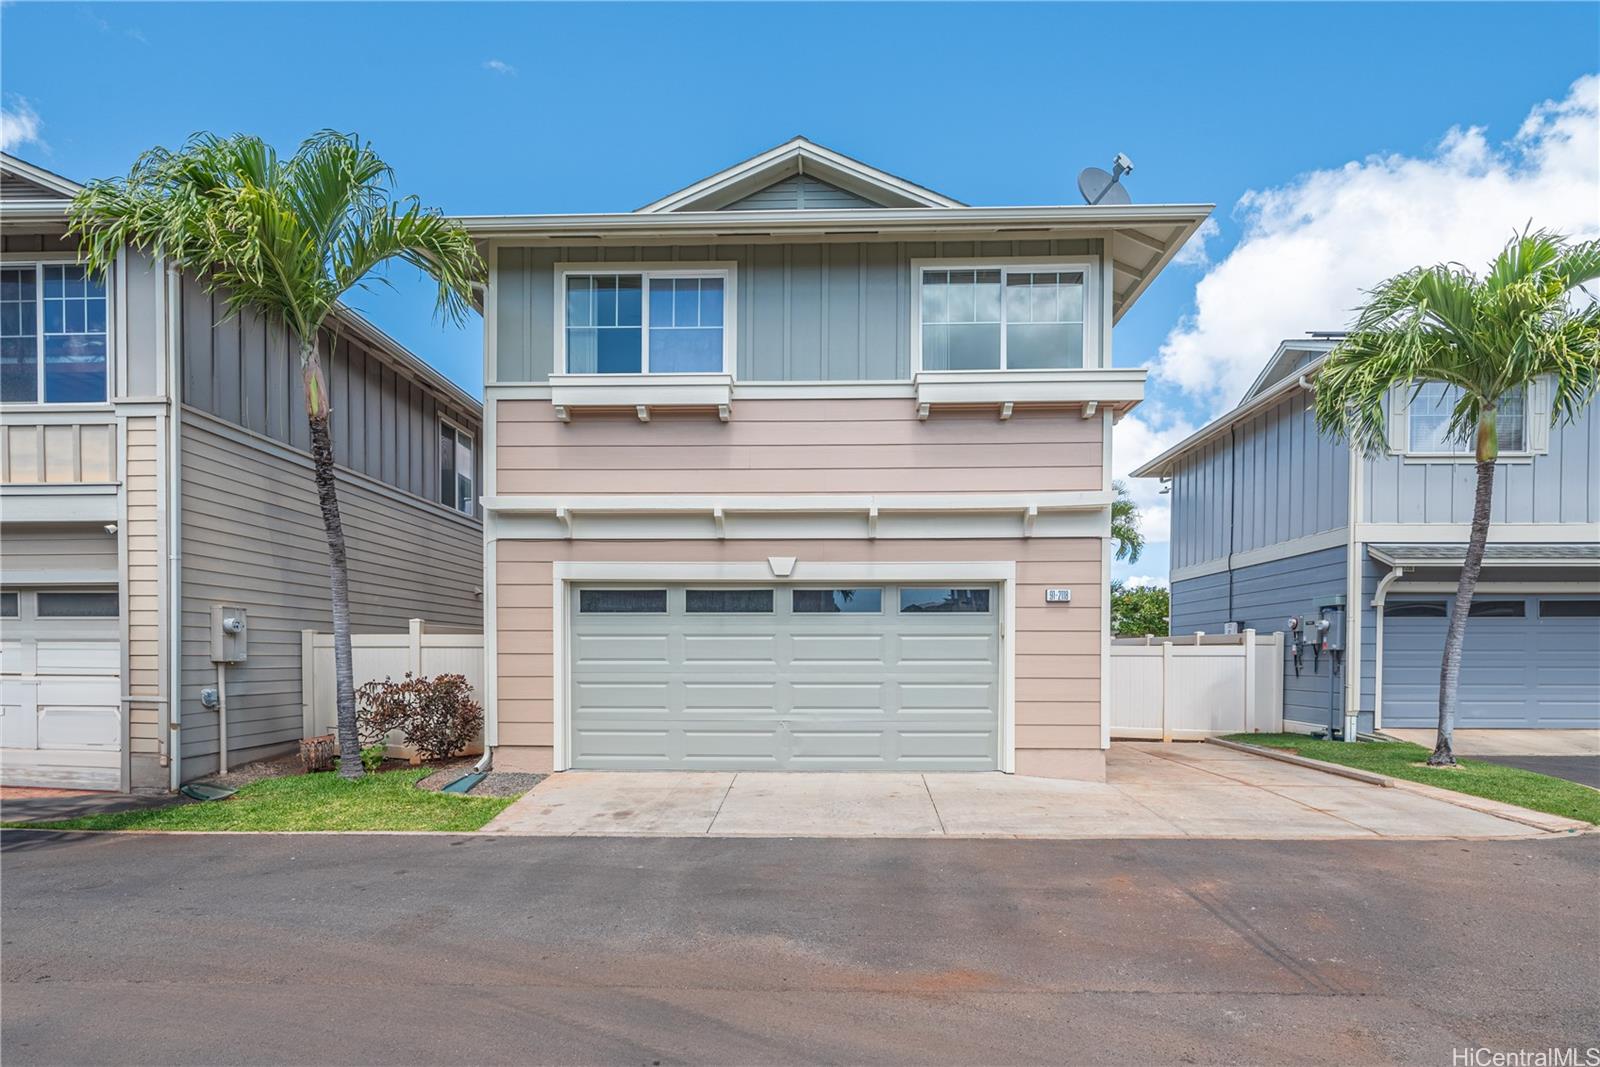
[{"x": 1152, "y": 790}]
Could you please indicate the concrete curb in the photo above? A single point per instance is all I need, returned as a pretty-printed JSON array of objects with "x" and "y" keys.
[
  {"x": 1312, "y": 764},
  {"x": 1551, "y": 824}
]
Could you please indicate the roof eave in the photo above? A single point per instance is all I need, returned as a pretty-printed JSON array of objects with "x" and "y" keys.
[{"x": 1161, "y": 466}]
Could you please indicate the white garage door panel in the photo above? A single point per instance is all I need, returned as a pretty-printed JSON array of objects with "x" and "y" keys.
[
  {"x": 851, "y": 690},
  {"x": 61, "y": 701}
]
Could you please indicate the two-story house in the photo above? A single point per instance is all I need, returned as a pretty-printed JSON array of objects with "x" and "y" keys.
[
  {"x": 1272, "y": 520},
  {"x": 806, "y": 467},
  {"x": 153, "y": 467}
]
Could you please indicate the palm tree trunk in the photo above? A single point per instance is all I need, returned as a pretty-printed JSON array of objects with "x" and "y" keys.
[
  {"x": 1455, "y": 636},
  {"x": 338, "y": 561}
]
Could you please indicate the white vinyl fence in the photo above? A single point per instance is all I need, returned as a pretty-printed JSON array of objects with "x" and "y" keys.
[
  {"x": 1196, "y": 685},
  {"x": 379, "y": 656}
]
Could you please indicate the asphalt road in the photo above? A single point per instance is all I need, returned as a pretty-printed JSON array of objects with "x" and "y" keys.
[{"x": 392, "y": 949}]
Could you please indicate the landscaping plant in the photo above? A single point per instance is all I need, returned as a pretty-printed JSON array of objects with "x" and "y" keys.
[
  {"x": 437, "y": 716},
  {"x": 1489, "y": 338},
  {"x": 285, "y": 239}
]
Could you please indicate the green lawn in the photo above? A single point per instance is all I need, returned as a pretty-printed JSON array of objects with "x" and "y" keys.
[
  {"x": 384, "y": 801},
  {"x": 1555, "y": 796}
]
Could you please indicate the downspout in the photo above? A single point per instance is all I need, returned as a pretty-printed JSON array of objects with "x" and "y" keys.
[
  {"x": 174, "y": 446},
  {"x": 1233, "y": 496},
  {"x": 1379, "y": 598}
]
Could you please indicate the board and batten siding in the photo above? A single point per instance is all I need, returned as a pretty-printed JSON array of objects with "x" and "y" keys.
[
  {"x": 1281, "y": 479},
  {"x": 806, "y": 312},
  {"x": 799, "y": 192},
  {"x": 1562, "y": 485},
  {"x": 1263, "y": 598},
  {"x": 252, "y": 536},
  {"x": 246, "y": 371},
  {"x": 796, "y": 446},
  {"x": 141, "y": 531},
  {"x": 1057, "y": 648}
]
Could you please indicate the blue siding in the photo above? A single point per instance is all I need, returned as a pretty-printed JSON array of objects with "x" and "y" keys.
[
  {"x": 1264, "y": 596},
  {"x": 1278, "y": 480},
  {"x": 806, "y": 312},
  {"x": 1561, "y": 486}
]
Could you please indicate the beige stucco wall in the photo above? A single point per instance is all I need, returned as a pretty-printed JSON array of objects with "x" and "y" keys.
[
  {"x": 796, "y": 446},
  {"x": 1057, "y": 649}
]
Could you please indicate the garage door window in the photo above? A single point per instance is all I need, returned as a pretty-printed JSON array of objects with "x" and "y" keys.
[
  {"x": 838, "y": 601},
  {"x": 1497, "y": 609},
  {"x": 975, "y": 601},
  {"x": 727, "y": 601},
  {"x": 622, "y": 601},
  {"x": 1569, "y": 609},
  {"x": 77, "y": 605},
  {"x": 1417, "y": 609}
]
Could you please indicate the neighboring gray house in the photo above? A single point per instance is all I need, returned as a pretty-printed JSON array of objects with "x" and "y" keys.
[
  {"x": 1270, "y": 519},
  {"x": 154, "y": 466}
]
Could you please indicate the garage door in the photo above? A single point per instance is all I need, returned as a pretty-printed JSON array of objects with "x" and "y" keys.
[
  {"x": 60, "y": 689},
  {"x": 780, "y": 677},
  {"x": 1528, "y": 662}
]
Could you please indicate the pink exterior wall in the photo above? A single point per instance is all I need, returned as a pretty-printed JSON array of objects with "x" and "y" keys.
[
  {"x": 796, "y": 446},
  {"x": 1057, "y": 649}
]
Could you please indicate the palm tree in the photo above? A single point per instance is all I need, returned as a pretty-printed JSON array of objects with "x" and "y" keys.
[
  {"x": 286, "y": 239},
  {"x": 1125, "y": 524},
  {"x": 1487, "y": 340}
]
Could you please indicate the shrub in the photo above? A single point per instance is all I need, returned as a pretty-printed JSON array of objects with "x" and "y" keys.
[
  {"x": 436, "y": 716},
  {"x": 372, "y": 756}
]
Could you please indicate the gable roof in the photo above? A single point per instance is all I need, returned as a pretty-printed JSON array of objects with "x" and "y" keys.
[
  {"x": 1267, "y": 392},
  {"x": 25, "y": 182},
  {"x": 794, "y": 157},
  {"x": 1290, "y": 355}
]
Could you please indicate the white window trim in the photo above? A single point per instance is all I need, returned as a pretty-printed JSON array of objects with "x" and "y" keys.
[
  {"x": 40, "y": 260},
  {"x": 1006, "y": 265},
  {"x": 727, "y": 270},
  {"x": 471, "y": 437},
  {"x": 1535, "y": 429}
]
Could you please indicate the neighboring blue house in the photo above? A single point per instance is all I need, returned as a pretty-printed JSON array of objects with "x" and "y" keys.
[{"x": 1271, "y": 519}]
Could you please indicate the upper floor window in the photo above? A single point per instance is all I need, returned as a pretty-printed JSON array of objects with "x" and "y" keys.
[
  {"x": 1002, "y": 318},
  {"x": 1428, "y": 421},
  {"x": 647, "y": 322},
  {"x": 52, "y": 335},
  {"x": 456, "y": 469}
]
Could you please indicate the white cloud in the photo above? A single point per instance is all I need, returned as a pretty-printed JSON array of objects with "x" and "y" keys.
[
  {"x": 1144, "y": 580},
  {"x": 1311, "y": 246},
  {"x": 1194, "y": 252},
  {"x": 19, "y": 124},
  {"x": 500, "y": 66},
  {"x": 1141, "y": 437}
]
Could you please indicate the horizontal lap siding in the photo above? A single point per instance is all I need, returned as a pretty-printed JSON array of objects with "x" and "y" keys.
[
  {"x": 141, "y": 529},
  {"x": 1057, "y": 648},
  {"x": 252, "y": 535},
  {"x": 796, "y": 446}
]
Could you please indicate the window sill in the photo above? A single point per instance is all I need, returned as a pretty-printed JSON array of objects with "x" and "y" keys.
[
  {"x": 1089, "y": 388},
  {"x": 641, "y": 392},
  {"x": 1457, "y": 458}
]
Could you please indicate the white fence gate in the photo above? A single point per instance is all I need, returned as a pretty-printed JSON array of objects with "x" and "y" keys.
[
  {"x": 375, "y": 657},
  {"x": 1196, "y": 685}
]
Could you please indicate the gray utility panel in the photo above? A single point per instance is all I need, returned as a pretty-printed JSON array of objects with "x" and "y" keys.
[
  {"x": 1529, "y": 661},
  {"x": 774, "y": 676}
]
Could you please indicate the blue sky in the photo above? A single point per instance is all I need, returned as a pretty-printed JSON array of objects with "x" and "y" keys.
[{"x": 534, "y": 108}]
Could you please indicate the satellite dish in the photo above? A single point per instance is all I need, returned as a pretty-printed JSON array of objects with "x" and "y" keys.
[{"x": 1105, "y": 187}]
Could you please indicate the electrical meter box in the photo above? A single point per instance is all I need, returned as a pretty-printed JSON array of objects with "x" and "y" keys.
[
  {"x": 230, "y": 634},
  {"x": 1332, "y": 609}
]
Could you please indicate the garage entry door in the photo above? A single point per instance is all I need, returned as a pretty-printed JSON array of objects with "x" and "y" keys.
[
  {"x": 60, "y": 689},
  {"x": 1528, "y": 662},
  {"x": 782, "y": 677}
]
